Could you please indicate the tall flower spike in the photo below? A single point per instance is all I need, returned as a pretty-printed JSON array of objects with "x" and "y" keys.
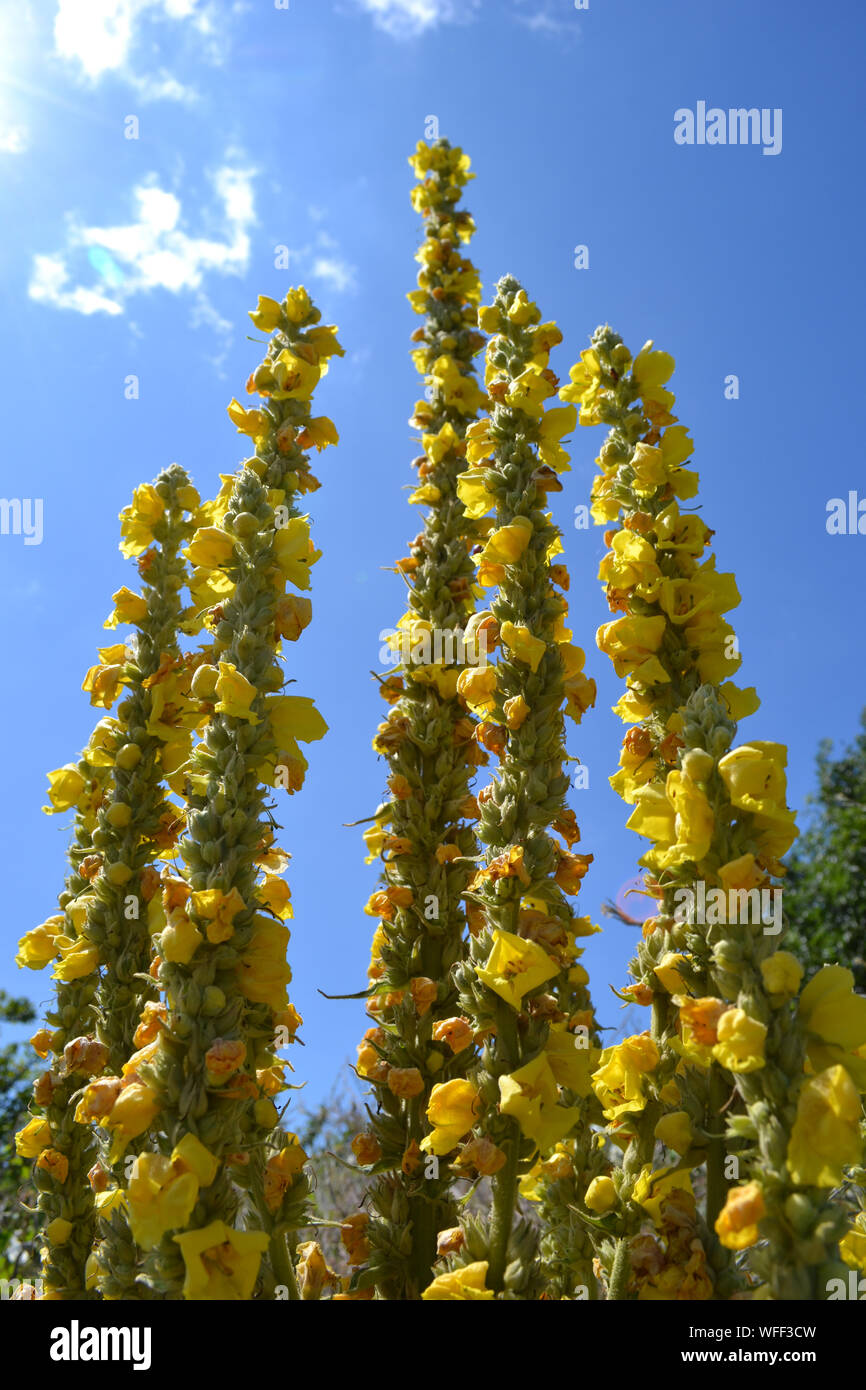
[
  {"x": 138, "y": 825},
  {"x": 670, "y": 638},
  {"x": 721, "y": 992},
  {"x": 222, "y": 1185},
  {"x": 424, "y": 834},
  {"x": 63, "y": 1150},
  {"x": 522, "y": 986}
]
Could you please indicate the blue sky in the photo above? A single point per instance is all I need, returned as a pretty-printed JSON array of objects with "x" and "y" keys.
[{"x": 261, "y": 127}]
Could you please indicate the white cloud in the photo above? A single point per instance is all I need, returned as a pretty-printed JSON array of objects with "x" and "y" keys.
[
  {"x": 335, "y": 272},
  {"x": 221, "y": 330},
  {"x": 151, "y": 252},
  {"x": 49, "y": 285},
  {"x": 99, "y": 37},
  {"x": 13, "y": 138},
  {"x": 405, "y": 19},
  {"x": 543, "y": 20}
]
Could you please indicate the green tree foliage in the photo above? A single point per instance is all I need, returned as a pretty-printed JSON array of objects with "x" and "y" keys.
[{"x": 825, "y": 891}]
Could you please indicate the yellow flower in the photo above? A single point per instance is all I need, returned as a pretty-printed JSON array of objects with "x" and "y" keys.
[
  {"x": 33, "y": 1138},
  {"x": 293, "y": 717},
  {"x": 252, "y": 422},
  {"x": 65, "y": 788},
  {"x": 834, "y": 1019},
  {"x": 314, "y": 1273},
  {"x": 452, "y": 1111},
  {"x": 601, "y": 1195},
  {"x": 54, "y": 1163},
  {"x": 296, "y": 377},
  {"x": 585, "y": 381},
  {"x": 675, "y": 1131},
  {"x": 480, "y": 441},
  {"x": 652, "y": 367},
  {"x": 276, "y": 894},
  {"x": 667, "y": 971},
  {"x": 464, "y": 1284},
  {"x": 529, "y": 391},
  {"x": 138, "y": 520},
  {"x": 323, "y": 339},
  {"x": 631, "y": 643},
  {"x": 40, "y": 945},
  {"x": 221, "y": 1264},
  {"x": 740, "y": 1047},
  {"x": 555, "y": 423},
  {"x": 506, "y": 545},
  {"x": 782, "y": 973},
  {"x": 179, "y": 940},
  {"x": 476, "y": 497},
  {"x": 59, "y": 1230},
  {"x": 438, "y": 446},
  {"x": 298, "y": 304},
  {"x": 219, "y": 910},
  {"x": 737, "y": 1223},
  {"x": 516, "y": 709},
  {"x": 134, "y": 1110},
  {"x": 630, "y": 563},
  {"x": 619, "y": 1080},
  {"x": 460, "y": 390},
  {"x": 515, "y": 966},
  {"x": 755, "y": 778},
  {"x": 235, "y": 693},
  {"x": 294, "y": 552},
  {"x": 189, "y": 1155},
  {"x": 679, "y": 819},
  {"x": 570, "y": 1063},
  {"x": 852, "y": 1247},
  {"x": 128, "y": 608},
  {"x": 210, "y": 548},
  {"x": 530, "y": 1096},
  {"x": 477, "y": 685},
  {"x": 522, "y": 645},
  {"x": 78, "y": 958},
  {"x": 825, "y": 1137},
  {"x": 159, "y": 1199},
  {"x": 650, "y": 472},
  {"x": 267, "y": 314},
  {"x": 263, "y": 971},
  {"x": 318, "y": 432},
  {"x": 652, "y": 1187}
]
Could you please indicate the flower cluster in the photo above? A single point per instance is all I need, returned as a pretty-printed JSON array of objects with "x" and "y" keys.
[
  {"x": 729, "y": 1072},
  {"x": 424, "y": 834},
  {"x": 522, "y": 986}
]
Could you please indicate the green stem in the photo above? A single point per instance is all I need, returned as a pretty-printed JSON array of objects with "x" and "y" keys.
[
  {"x": 424, "y": 1232},
  {"x": 284, "y": 1266},
  {"x": 619, "y": 1275},
  {"x": 502, "y": 1213},
  {"x": 717, "y": 1184}
]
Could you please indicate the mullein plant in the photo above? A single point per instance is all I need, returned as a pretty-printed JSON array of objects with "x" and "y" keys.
[
  {"x": 424, "y": 834},
  {"x": 62, "y": 1150},
  {"x": 522, "y": 987},
  {"x": 670, "y": 638},
  {"x": 728, "y": 1033},
  {"x": 137, "y": 826},
  {"x": 101, "y": 938},
  {"x": 220, "y": 1185}
]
